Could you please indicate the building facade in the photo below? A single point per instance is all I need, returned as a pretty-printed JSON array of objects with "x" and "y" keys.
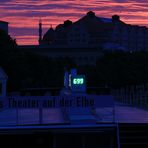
[
  {"x": 92, "y": 31},
  {"x": 85, "y": 40},
  {"x": 4, "y": 26}
]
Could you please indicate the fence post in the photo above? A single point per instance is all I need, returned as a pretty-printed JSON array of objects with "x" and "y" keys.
[{"x": 40, "y": 112}]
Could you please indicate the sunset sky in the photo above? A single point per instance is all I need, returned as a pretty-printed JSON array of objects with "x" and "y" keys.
[{"x": 23, "y": 15}]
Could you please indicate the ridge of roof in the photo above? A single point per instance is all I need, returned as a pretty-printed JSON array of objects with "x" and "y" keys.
[{"x": 4, "y": 22}]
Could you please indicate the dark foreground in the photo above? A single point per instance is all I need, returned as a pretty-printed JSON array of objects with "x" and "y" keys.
[{"x": 76, "y": 136}]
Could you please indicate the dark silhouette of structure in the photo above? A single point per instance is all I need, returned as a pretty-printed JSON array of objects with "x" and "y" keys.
[
  {"x": 97, "y": 32},
  {"x": 4, "y": 26},
  {"x": 40, "y": 31}
]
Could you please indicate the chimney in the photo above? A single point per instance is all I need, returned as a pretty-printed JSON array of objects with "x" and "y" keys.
[
  {"x": 40, "y": 31},
  {"x": 115, "y": 18},
  {"x": 90, "y": 14}
]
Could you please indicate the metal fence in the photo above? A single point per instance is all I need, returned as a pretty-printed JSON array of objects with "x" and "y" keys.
[{"x": 136, "y": 95}]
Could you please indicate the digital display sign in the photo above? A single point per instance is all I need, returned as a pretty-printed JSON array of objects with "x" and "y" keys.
[{"x": 78, "y": 83}]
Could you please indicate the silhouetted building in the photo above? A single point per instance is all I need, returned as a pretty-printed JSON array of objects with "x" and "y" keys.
[
  {"x": 92, "y": 31},
  {"x": 85, "y": 40},
  {"x": 49, "y": 36},
  {"x": 4, "y": 26},
  {"x": 40, "y": 31},
  {"x": 3, "y": 83}
]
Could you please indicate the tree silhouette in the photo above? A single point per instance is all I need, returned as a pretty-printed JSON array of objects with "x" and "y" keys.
[
  {"x": 123, "y": 68},
  {"x": 6, "y": 41}
]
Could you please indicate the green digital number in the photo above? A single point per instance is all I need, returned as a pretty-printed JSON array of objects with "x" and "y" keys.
[{"x": 78, "y": 81}]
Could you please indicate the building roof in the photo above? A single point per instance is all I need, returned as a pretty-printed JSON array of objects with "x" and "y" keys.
[
  {"x": 49, "y": 35},
  {"x": 98, "y": 28},
  {"x": 96, "y": 25},
  {"x": 3, "y": 22}
]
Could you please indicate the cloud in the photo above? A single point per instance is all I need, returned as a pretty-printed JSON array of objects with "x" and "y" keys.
[
  {"x": 121, "y": 1},
  {"x": 23, "y": 15}
]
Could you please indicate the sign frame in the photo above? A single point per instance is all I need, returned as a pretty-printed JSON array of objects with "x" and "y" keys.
[{"x": 79, "y": 86}]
